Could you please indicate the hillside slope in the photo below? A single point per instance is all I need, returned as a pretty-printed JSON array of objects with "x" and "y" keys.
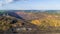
[{"x": 43, "y": 19}]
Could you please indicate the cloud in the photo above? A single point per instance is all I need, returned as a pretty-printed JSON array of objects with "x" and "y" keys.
[
  {"x": 4, "y": 2},
  {"x": 1, "y": 4},
  {"x": 9, "y": 1},
  {"x": 12, "y": 1}
]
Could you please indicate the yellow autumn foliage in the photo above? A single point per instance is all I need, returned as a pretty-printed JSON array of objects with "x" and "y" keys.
[
  {"x": 36, "y": 22},
  {"x": 53, "y": 22}
]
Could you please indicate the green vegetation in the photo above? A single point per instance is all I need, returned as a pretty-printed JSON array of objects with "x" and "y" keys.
[
  {"x": 46, "y": 21},
  {"x": 5, "y": 23}
]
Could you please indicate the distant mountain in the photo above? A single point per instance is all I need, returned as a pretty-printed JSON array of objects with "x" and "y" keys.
[
  {"x": 53, "y": 11},
  {"x": 10, "y": 13}
]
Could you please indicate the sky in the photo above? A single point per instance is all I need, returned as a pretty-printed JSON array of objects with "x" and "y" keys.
[{"x": 29, "y": 4}]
